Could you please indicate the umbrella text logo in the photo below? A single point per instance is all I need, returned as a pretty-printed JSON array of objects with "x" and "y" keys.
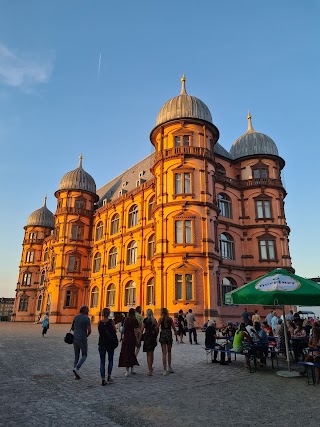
[{"x": 278, "y": 282}]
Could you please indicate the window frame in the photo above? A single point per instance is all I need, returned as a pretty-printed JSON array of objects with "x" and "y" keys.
[
  {"x": 71, "y": 297},
  {"x": 133, "y": 216},
  {"x": 76, "y": 262},
  {"x": 26, "y": 279},
  {"x": 151, "y": 246},
  {"x": 23, "y": 303},
  {"x": 227, "y": 246},
  {"x": 225, "y": 288},
  {"x": 114, "y": 224},
  {"x": 263, "y": 200},
  {"x": 225, "y": 205},
  {"x": 30, "y": 257},
  {"x": 130, "y": 293},
  {"x": 267, "y": 239},
  {"x": 132, "y": 252},
  {"x": 113, "y": 258},
  {"x": 151, "y": 205},
  {"x": 150, "y": 292},
  {"x": 184, "y": 286},
  {"x": 94, "y": 297},
  {"x": 111, "y": 290},
  {"x": 77, "y": 232},
  {"x": 187, "y": 232},
  {"x": 39, "y": 302},
  {"x": 99, "y": 231},
  {"x": 96, "y": 265}
]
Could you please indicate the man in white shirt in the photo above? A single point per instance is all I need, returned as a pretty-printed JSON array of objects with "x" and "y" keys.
[{"x": 190, "y": 325}]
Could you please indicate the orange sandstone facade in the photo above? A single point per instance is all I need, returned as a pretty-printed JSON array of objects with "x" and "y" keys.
[{"x": 179, "y": 229}]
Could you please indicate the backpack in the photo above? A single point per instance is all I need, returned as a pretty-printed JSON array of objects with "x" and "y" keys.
[{"x": 109, "y": 336}]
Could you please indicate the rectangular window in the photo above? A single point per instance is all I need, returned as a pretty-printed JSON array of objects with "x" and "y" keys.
[
  {"x": 182, "y": 140},
  {"x": 182, "y": 183},
  {"x": 80, "y": 204},
  {"x": 26, "y": 279},
  {"x": 32, "y": 236},
  {"x": 263, "y": 209},
  {"x": 30, "y": 256},
  {"x": 178, "y": 286},
  {"x": 267, "y": 250},
  {"x": 77, "y": 232},
  {"x": 74, "y": 264},
  {"x": 177, "y": 141},
  {"x": 23, "y": 304},
  {"x": 189, "y": 287},
  {"x": 183, "y": 231},
  {"x": 71, "y": 298}
]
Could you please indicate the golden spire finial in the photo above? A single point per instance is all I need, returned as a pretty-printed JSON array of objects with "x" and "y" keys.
[
  {"x": 45, "y": 201},
  {"x": 183, "y": 85},
  {"x": 250, "y": 128},
  {"x": 80, "y": 161}
]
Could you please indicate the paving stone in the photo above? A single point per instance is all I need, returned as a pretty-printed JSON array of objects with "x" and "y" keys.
[{"x": 37, "y": 388}]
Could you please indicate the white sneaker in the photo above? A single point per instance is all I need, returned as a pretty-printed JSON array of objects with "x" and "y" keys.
[
  {"x": 165, "y": 372},
  {"x": 170, "y": 370},
  {"x": 127, "y": 373}
]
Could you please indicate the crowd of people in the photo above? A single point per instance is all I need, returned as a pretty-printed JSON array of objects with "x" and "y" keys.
[{"x": 251, "y": 333}]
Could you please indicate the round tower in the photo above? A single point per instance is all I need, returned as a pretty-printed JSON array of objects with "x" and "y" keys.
[
  {"x": 39, "y": 226},
  {"x": 186, "y": 210},
  {"x": 70, "y": 248}
]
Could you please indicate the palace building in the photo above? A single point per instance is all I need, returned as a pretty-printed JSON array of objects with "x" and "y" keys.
[{"x": 179, "y": 229}]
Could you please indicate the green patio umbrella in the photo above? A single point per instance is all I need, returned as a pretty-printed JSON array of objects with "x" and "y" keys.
[{"x": 279, "y": 287}]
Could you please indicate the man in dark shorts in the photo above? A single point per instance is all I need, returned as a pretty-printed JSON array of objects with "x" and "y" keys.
[{"x": 82, "y": 329}]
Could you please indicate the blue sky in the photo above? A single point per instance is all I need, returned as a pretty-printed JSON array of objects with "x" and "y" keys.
[{"x": 237, "y": 55}]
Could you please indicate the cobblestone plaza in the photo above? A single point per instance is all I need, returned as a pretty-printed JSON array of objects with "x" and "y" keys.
[{"x": 38, "y": 388}]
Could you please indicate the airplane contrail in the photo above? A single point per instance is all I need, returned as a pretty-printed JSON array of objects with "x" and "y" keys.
[{"x": 99, "y": 66}]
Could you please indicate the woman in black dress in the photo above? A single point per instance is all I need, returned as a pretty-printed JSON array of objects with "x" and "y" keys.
[
  {"x": 127, "y": 357},
  {"x": 166, "y": 324},
  {"x": 150, "y": 331}
]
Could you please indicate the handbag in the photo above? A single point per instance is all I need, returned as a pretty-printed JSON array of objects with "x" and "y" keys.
[{"x": 68, "y": 338}]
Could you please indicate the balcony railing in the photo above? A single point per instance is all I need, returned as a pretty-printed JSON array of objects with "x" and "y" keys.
[
  {"x": 182, "y": 151},
  {"x": 258, "y": 182},
  {"x": 72, "y": 210}
]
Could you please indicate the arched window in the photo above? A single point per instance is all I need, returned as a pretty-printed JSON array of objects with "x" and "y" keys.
[
  {"x": 151, "y": 246},
  {"x": 94, "y": 297},
  {"x": 113, "y": 257},
  {"x": 224, "y": 203},
  {"x": 220, "y": 169},
  {"x": 39, "y": 303},
  {"x": 111, "y": 295},
  {"x": 133, "y": 216},
  {"x": 226, "y": 246},
  {"x": 46, "y": 254},
  {"x": 114, "y": 224},
  {"x": 99, "y": 230},
  {"x": 97, "y": 262},
  {"x": 42, "y": 277},
  {"x": 227, "y": 285},
  {"x": 150, "y": 292},
  {"x": 132, "y": 253},
  {"x": 130, "y": 293},
  {"x": 151, "y": 207}
]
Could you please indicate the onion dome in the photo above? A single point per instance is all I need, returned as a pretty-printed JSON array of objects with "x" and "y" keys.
[
  {"x": 41, "y": 217},
  {"x": 183, "y": 106},
  {"x": 78, "y": 179},
  {"x": 253, "y": 143}
]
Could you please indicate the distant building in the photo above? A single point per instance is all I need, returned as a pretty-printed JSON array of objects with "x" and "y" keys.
[
  {"x": 6, "y": 308},
  {"x": 179, "y": 229}
]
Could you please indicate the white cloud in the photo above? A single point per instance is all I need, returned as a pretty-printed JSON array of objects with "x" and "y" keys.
[{"x": 19, "y": 71}]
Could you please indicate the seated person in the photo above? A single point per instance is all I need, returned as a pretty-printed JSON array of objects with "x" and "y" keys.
[
  {"x": 240, "y": 336},
  {"x": 261, "y": 339},
  {"x": 299, "y": 341},
  {"x": 250, "y": 328},
  {"x": 267, "y": 328},
  {"x": 314, "y": 357},
  {"x": 210, "y": 342}
]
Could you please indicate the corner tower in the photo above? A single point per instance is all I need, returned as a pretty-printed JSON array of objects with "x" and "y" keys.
[
  {"x": 186, "y": 256},
  {"x": 28, "y": 302},
  {"x": 70, "y": 247}
]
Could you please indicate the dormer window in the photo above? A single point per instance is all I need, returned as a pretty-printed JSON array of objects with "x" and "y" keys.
[{"x": 182, "y": 140}]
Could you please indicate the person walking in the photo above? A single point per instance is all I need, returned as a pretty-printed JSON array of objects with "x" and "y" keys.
[
  {"x": 150, "y": 332},
  {"x": 269, "y": 318},
  {"x": 191, "y": 328},
  {"x": 108, "y": 342},
  {"x": 140, "y": 321},
  {"x": 165, "y": 323},
  {"x": 130, "y": 338},
  {"x": 82, "y": 329},
  {"x": 45, "y": 324},
  {"x": 181, "y": 327}
]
